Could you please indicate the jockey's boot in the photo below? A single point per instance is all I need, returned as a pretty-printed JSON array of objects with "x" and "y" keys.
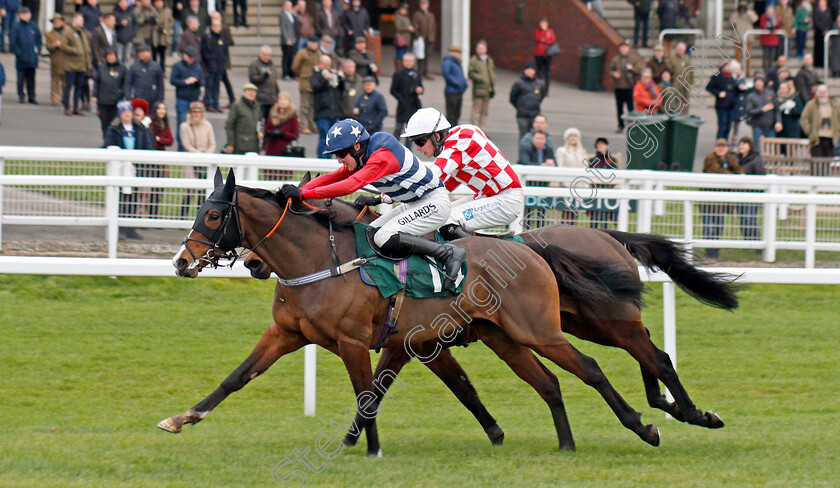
[
  {"x": 450, "y": 232},
  {"x": 451, "y": 256}
]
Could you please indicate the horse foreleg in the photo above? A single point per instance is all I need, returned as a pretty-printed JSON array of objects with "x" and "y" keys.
[
  {"x": 390, "y": 364},
  {"x": 274, "y": 343},
  {"x": 447, "y": 369},
  {"x": 356, "y": 357},
  {"x": 523, "y": 362}
]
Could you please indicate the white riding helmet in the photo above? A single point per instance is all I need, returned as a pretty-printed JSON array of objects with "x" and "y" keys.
[{"x": 425, "y": 121}]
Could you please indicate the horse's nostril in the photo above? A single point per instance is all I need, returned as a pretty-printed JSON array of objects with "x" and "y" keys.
[{"x": 181, "y": 264}]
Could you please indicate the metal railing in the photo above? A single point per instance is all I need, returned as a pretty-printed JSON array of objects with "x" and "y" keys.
[
  {"x": 826, "y": 49},
  {"x": 676, "y": 32},
  {"x": 73, "y": 187},
  {"x": 756, "y": 32}
]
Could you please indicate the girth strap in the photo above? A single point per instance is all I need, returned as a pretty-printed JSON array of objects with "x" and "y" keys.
[{"x": 327, "y": 273}]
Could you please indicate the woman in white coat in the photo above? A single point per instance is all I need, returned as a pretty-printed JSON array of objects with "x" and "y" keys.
[{"x": 571, "y": 155}]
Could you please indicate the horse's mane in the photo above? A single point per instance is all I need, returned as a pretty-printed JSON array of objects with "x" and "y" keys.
[{"x": 324, "y": 218}]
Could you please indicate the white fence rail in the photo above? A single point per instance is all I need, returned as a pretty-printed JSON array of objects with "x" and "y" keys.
[{"x": 96, "y": 187}]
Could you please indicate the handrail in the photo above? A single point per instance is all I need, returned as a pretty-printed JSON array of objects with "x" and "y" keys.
[
  {"x": 753, "y": 32},
  {"x": 826, "y": 48},
  {"x": 676, "y": 32}
]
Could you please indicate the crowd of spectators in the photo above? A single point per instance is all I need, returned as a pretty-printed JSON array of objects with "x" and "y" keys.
[{"x": 114, "y": 63}]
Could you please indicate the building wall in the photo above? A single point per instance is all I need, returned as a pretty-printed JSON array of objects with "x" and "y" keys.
[{"x": 508, "y": 27}]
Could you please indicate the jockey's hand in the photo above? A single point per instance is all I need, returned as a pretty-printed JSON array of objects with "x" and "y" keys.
[
  {"x": 367, "y": 201},
  {"x": 291, "y": 191}
]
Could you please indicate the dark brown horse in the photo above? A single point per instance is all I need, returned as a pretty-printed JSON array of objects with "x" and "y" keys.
[
  {"x": 616, "y": 324},
  {"x": 511, "y": 316}
]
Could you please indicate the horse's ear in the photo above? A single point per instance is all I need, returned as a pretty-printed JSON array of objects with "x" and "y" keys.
[
  {"x": 230, "y": 184},
  {"x": 306, "y": 178},
  {"x": 217, "y": 180}
]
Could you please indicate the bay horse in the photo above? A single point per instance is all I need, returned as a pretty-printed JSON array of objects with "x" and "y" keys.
[
  {"x": 345, "y": 317},
  {"x": 617, "y": 324}
]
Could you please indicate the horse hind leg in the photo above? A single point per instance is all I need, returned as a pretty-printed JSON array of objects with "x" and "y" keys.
[
  {"x": 584, "y": 367},
  {"x": 523, "y": 362},
  {"x": 273, "y": 344},
  {"x": 657, "y": 365}
]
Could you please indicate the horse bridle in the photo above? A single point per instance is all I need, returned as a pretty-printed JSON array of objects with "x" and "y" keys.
[{"x": 227, "y": 238}]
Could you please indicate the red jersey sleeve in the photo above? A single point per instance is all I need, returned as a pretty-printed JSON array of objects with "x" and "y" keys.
[{"x": 342, "y": 182}]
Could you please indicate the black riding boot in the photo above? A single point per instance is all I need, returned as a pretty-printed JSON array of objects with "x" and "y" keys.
[
  {"x": 450, "y": 232},
  {"x": 451, "y": 256}
]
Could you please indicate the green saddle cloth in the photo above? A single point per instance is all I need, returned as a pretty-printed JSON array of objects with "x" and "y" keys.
[{"x": 416, "y": 274}]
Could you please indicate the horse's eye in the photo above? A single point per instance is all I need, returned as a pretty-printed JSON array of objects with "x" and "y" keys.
[{"x": 214, "y": 217}]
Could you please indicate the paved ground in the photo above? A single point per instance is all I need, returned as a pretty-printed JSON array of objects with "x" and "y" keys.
[{"x": 44, "y": 125}]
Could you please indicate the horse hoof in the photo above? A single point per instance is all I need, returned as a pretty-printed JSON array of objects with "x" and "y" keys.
[
  {"x": 349, "y": 441},
  {"x": 169, "y": 425},
  {"x": 714, "y": 420},
  {"x": 496, "y": 435},
  {"x": 377, "y": 454},
  {"x": 652, "y": 435}
]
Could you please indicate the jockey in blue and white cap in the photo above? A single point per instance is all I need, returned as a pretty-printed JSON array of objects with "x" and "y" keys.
[{"x": 382, "y": 162}]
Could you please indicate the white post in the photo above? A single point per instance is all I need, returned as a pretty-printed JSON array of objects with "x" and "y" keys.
[
  {"x": 645, "y": 209},
  {"x": 688, "y": 224},
  {"x": 112, "y": 209},
  {"x": 659, "y": 205},
  {"x": 718, "y": 17},
  {"x": 669, "y": 326},
  {"x": 466, "y": 6},
  {"x": 624, "y": 209},
  {"x": 810, "y": 234},
  {"x": 309, "y": 363},
  {"x": 770, "y": 210}
]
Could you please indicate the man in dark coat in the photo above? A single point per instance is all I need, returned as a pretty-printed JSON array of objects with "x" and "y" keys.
[
  {"x": 263, "y": 74},
  {"x": 145, "y": 78},
  {"x": 725, "y": 90},
  {"x": 214, "y": 52},
  {"x": 658, "y": 63},
  {"x": 526, "y": 95},
  {"x": 191, "y": 37},
  {"x": 456, "y": 84},
  {"x": 406, "y": 87},
  {"x": 327, "y": 21},
  {"x": 103, "y": 38},
  {"x": 187, "y": 77},
  {"x": 108, "y": 81},
  {"x": 327, "y": 89},
  {"x": 370, "y": 109},
  {"x": 355, "y": 22},
  {"x": 365, "y": 63},
  {"x": 126, "y": 27},
  {"x": 806, "y": 79},
  {"x": 25, "y": 41},
  {"x": 289, "y": 36},
  {"x": 641, "y": 16}
]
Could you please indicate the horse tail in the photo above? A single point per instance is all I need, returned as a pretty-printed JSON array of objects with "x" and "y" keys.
[
  {"x": 658, "y": 252},
  {"x": 592, "y": 282}
]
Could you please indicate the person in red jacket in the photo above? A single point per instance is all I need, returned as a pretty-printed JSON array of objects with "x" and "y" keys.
[
  {"x": 770, "y": 42},
  {"x": 646, "y": 93},
  {"x": 544, "y": 35},
  {"x": 282, "y": 127}
]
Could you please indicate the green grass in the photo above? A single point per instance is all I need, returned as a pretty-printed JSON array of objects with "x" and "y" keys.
[{"x": 90, "y": 365}]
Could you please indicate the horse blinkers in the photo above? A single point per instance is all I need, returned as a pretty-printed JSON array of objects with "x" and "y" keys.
[{"x": 218, "y": 221}]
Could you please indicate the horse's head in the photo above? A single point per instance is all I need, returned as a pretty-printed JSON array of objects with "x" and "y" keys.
[{"x": 216, "y": 232}]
